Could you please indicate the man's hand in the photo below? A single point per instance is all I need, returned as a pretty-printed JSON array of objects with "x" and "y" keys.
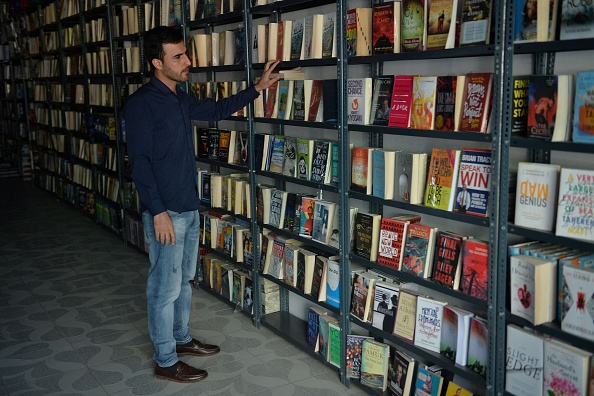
[
  {"x": 265, "y": 80},
  {"x": 164, "y": 231}
]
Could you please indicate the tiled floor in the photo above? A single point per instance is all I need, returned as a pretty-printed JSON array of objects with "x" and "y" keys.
[{"x": 73, "y": 317}]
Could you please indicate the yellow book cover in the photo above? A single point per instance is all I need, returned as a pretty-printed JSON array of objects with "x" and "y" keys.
[
  {"x": 442, "y": 178},
  {"x": 374, "y": 364},
  {"x": 404, "y": 326}
]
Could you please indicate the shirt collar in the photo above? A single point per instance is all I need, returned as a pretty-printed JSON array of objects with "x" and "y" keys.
[{"x": 164, "y": 89}]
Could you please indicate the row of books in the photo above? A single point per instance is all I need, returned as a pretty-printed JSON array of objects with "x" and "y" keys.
[
  {"x": 218, "y": 90},
  {"x": 537, "y": 365},
  {"x": 200, "y": 9},
  {"x": 548, "y": 196},
  {"x": 217, "y": 48},
  {"x": 450, "y": 103},
  {"x": 549, "y": 282},
  {"x": 228, "y": 235},
  {"x": 221, "y": 145},
  {"x": 554, "y": 107}
]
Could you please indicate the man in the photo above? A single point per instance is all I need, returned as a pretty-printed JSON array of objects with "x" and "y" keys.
[
  {"x": 463, "y": 200},
  {"x": 160, "y": 147}
]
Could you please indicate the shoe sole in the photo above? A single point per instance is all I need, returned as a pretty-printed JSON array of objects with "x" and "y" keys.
[
  {"x": 179, "y": 381},
  {"x": 196, "y": 354}
]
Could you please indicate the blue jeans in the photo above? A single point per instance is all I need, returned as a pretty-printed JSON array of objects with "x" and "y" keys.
[{"x": 168, "y": 289}]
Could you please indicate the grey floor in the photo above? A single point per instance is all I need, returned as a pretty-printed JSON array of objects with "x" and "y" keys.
[{"x": 73, "y": 317}]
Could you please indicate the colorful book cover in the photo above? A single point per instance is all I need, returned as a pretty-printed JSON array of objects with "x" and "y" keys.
[
  {"x": 577, "y": 20},
  {"x": 283, "y": 98},
  {"x": 317, "y": 92},
  {"x": 566, "y": 369},
  {"x": 475, "y": 22},
  {"x": 445, "y": 102},
  {"x": 542, "y": 108},
  {"x": 402, "y": 93},
  {"x": 448, "y": 345},
  {"x": 578, "y": 301},
  {"x": 307, "y": 216},
  {"x": 418, "y": 250},
  {"x": 442, "y": 178},
  {"x": 478, "y": 346},
  {"x": 304, "y": 158},
  {"x": 475, "y": 268},
  {"x": 354, "y": 348},
  {"x": 474, "y": 182},
  {"x": 583, "y": 109},
  {"x": 334, "y": 347},
  {"x": 313, "y": 328},
  {"x": 520, "y": 105},
  {"x": 422, "y": 114},
  {"x": 277, "y": 158},
  {"x": 380, "y": 104},
  {"x": 359, "y": 27},
  {"x": 447, "y": 265},
  {"x": 428, "y": 383},
  {"x": 476, "y": 104},
  {"x": 429, "y": 323},
  {"x": 360, "y": 295},
  {"x": 383, "y": 28},
  {"x": 404, "y": 327},
  {"x": 323, "y": 218},
  {"x": 439, "y": 23},
  {"x": 575, "y": 210},
  {"x": 333, "y": 282},
  {"x": 392, "y": 235},
  {"x": 320, "y": 162},
  {"x": 413, "y": 25},
  {"x": 360, "y": 169},
  {"x": 374, "y": 364}
]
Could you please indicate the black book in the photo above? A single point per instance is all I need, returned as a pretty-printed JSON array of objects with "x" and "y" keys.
[
  {"x": 330, "y": 102},
  {"x": 213, "y": 144},
  {"x": 382, "y": 97},
  {"x": 240, "y": 43},
  {"x": 202, "y": 137},
  {"x": 320, "y": 163},
  {"x": 298, "y": 109},
  {"x": 248, "y": 295}
]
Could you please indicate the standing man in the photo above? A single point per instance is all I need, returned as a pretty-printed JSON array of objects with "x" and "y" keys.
[
  {"x": 463, "y": 200},
  {"x": 160, "y": 146}
]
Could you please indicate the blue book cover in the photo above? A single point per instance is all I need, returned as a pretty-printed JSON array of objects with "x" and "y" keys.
[
  {"x": 277, "y": 156},
  {"x": 525, "y": 21},
  {"x": 283, "y": 93},
  {"x": 333, "y": 282},
  {"x": 378, "y": 174},
  {"x": 583, "y": 110},
  {"x": 474, "y": 182}
]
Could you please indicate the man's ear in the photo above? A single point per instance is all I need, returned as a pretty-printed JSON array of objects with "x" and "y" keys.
[{"x": 157, "y": 63}]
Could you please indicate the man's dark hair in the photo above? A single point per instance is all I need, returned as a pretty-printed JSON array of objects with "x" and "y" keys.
[{"x": 154, "y": 40}]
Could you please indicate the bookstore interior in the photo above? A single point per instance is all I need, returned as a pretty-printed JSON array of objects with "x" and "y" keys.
[{"x": 398, "y": 204}]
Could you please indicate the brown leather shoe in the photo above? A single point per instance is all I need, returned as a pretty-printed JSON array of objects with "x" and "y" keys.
[
  {"x": 197, "y": 349},
  {"x": 184, "y": 373}
]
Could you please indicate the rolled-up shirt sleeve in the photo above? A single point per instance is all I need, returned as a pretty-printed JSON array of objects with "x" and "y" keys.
[{"x": 139, "y": 134}]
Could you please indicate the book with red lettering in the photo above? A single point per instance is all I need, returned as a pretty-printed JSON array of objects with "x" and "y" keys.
[
  {"x": 417, "y": 257},
  {"x": 445, "y": 103},
  {"x": 392, "y": 233},
  {"x": 476, "y": 103},
  {"x": 401, "y": 102},
  {"x": 447, "y": 263},
  {"x": 315, "y": 110},
  {"x": 474, "y": 182},
  {"x": 475, "y": 268},
  {"x": 385, "y": 27}
]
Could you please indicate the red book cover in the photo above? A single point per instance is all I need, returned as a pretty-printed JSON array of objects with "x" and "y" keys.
[
  {"x": 391, "y": 242},
  {"x": 401, "y": 102},
  {"x": 477, "y": 102},
  {"x": 316, "y": 97},
  {"x": 271, "y": 100},
  {"x": 542, "y": 106},
  {"x": 359, "y": 169},
  {"x": 446, "y": 264},
  {"x": 383, "y": 28},
  {"x": 475, "y": 268},
  {"x": 445, "y": 103}
]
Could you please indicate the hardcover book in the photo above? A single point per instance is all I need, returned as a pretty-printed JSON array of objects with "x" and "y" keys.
[
  {"x": 402, "y": 93},
  {"x": 474, "y": 182},
  {"x": 454, "y": 334},
  {"x": 577, "y": 20},
  {"x": 441, "y": 24},
  {"x": 422, "y": 114},
  {"x": 524, "y": 362},
  {"x": 358, "y": 21},
  {"x": 476, "y": 104},
  {"x": 442, "y": 178},
  {"x": 475, "y": 268},
  {"x": 575, "y": 206},
  {"x": 536, "y": 195},
  {"x": 362, "y": 296},
  {"x": 374, "y": 364},
  {"x": 583, "y": 109},
  {"x": 380, "y": 104},
  {"x": 359, "y": 100},
  {"x": 429, "y": 323}
]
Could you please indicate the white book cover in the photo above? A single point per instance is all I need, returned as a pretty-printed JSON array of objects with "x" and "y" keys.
[
  {"x": 536, "y": 194},
  {"x": 577, "y": 311},
  {"x": 533, "y": 283},
  {"x": 428, "y": 326},
  {"x": 575, "y": 211},
  {"x": 359, "y": 100},
  {"x": 566, "y": 369},
  {"x": 524, "y": 362}
]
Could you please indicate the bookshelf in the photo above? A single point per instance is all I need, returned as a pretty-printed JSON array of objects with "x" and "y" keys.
[{"x": 56, "y": 42}]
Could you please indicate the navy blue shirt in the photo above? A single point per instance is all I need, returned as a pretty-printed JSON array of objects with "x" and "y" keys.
[{"x": 161, "y": 142}]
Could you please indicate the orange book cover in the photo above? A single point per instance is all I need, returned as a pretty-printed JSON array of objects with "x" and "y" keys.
[
  {"x": 359, "y": 169},
  {"x": 442, "y": 178}
]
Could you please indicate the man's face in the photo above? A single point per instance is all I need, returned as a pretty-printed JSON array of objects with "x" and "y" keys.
[
  {"x": 176, "y": 64},
  {"x": 399, "y": 372}
]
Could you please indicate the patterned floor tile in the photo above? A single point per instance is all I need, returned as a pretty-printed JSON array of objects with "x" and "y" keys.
[
  {"x": 76, "y": 382},
  {"x": 295, "y": 365},
  {"x": 328, "y": 386},
  {"x": 286, "y": 390},
  {"x": 126, "y": 373},
  {"x": 164, "y": 388},
  {"x": 112, "y": 347},
  {"x": 230, "y": 352}
]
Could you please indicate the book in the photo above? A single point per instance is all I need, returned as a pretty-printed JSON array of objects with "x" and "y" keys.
[
  {"x": 361, "y": 169},
  {"x": 429, "y": 323},
  {"x": 330, "y": 100},
  {"x": 329, "y": 35},
  {"x": 524, "y": 362},
  {"x": 277, "y": 156},
  {"x": 549, "y": 107},
  {"x": 297, "y": 48},
  {"x": 278, "y": 202},
  {"x": 533, "y": 281},
  {"x": 312, "y": 36},
  {"x": 386, "y": 28},
  {"x": 566, "y": 369},
  {"x": 442, "y": 178},
  {"x": 447, "y": 261},
  {"x": 475, "y": 23},
  {"x": 575, "y": 207},
  {"x": 263, "y": 200},
  {"x": 276, "y": 258},
  {"x": 441, "y": 24},
  {"x": 304, "y": 156},
  {"x": 475, "y": 268},
  {"x": 410, "y": 176},
  {"x": 454, "y": 389},
  {"x": 321, "y": 160},
  {"x": 333, "y": 281},
  {"x": 455, "y": 332},
  {"x": 305, "y": 269},
  {"x": 334, "y": 338},
  {"x": 583, "y": 108},
  {"x": 474, "y": 182},
  {"x": 313, "y": 327},
  {"x": 285, "y": 99},
  {"x": 359, "y": 29},
  {"x": 354, "y": 349},
  {"x": 359, "y": 92},
  {"x": 405, "y": 367},
  {"x": 362, "y": 296},
  {"x": 300, "y": 101},
  {"x": 380, "y": 103},
  {"x": 324, "y": 335},
  {"x": 385, "y": 305},
  {"x": 393, "y": 232},
  {"x": 314, "y": 111},
  {"x": 576, "y": 20},
  {"x": 413, "y": 29},
  {"x": 476, "y": 102},
  {"x": 367, "y": 229},
  {"x": 374, "y": 364},
  {"x": 318, "y": 283},
  {"x": 290, "y": 264},
  {"x": 400, "y": 108},
  {"x": 536, "y": 195},
  {"x": 576, "y": 317},
  {"x": 323, "y": 218},
  {"x": 520, "y": 105},
  {"x": 478, "y": 349},
  {"x": 428, "y": 383},
  {"x": 404, "y": 327},
  {"x": 422, "y": 114},
  {"x": 445, "y": 102},
  {"x": 290, "y": 161},
  {"x": 383, "y": 162},
  {"x": 306, "y": 221},
  {"x": 417, "y": 254}
]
